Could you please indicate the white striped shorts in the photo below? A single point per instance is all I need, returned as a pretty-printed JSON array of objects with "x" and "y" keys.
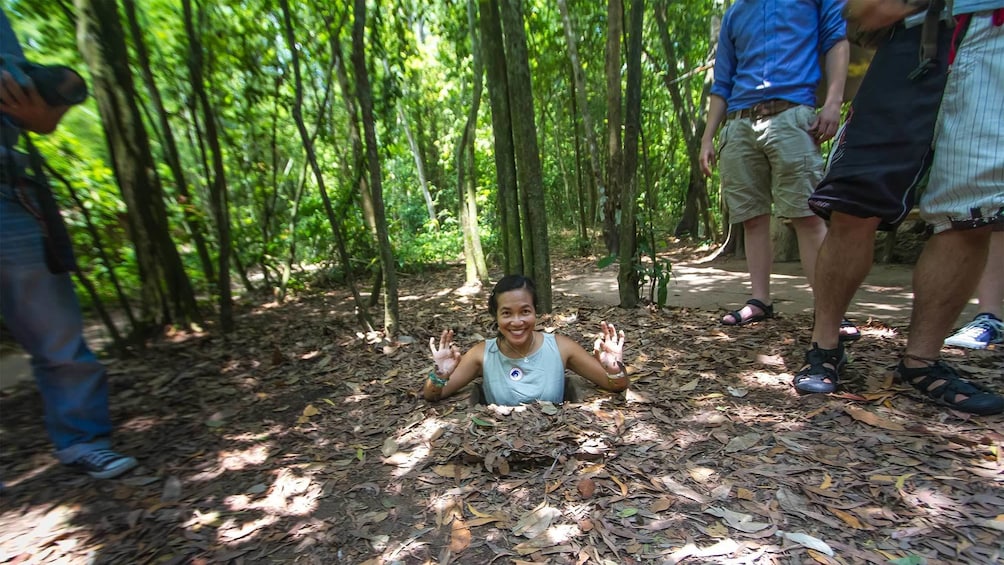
[{"x": 966, "y": 188}]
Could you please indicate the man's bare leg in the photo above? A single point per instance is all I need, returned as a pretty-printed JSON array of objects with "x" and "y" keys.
[
  {"x": 943, "y": 280},
  {"x": 810, "y": 231},
  {"x": 990, "y": 291},
  {"x": 759, "y": 263},
  {"x": 845, "y": 258}
]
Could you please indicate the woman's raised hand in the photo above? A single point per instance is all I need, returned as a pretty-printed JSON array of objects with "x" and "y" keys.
[
  {"x": 609, "y": 348},
  {"x": 446, "y": 356}
]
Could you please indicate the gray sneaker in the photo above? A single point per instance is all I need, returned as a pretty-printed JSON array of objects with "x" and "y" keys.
[{"x": 104, "y": 463}]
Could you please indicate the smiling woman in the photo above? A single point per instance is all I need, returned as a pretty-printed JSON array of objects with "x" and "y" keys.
[{"x": 522, "y": 365}]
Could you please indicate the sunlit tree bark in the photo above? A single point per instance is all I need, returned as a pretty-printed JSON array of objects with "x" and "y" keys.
[
  {"x": 524, "y": 134},
  {"x": 219, "y": 198},
  {"x": 365, "y": 96},
  {"x": 167, "y": 294},
  {"x": 493, "y": 51},
  {"x": 627, "y": 276}
]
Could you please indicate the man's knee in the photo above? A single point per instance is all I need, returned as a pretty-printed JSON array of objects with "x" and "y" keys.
[{"x": 846, "y": 224}]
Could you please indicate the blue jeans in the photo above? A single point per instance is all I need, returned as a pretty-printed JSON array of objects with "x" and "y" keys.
[{"x": 42, "y": 313}]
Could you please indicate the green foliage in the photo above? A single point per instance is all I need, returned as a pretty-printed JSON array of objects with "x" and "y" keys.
[
  {"x": 431, "y": 246},
  {"x": 420, "y": 58},
  {"x": 656, "y": 272}
]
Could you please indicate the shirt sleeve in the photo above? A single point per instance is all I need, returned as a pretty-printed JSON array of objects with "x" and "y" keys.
[
  {"x": 832, "y": 26},
  {"x": 725, "y": 61}
]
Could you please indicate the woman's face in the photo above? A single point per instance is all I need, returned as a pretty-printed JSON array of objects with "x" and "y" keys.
[{"x": 516, "y": 316}]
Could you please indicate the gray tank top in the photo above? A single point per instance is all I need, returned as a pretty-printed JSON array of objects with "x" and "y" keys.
[{"x": 510, "y": 382}]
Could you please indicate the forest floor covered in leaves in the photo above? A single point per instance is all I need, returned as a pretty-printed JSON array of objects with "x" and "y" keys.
[{"x": 298, "y": 439}]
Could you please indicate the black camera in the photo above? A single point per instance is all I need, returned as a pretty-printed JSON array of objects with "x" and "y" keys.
[{"x": 58, "y": 85}]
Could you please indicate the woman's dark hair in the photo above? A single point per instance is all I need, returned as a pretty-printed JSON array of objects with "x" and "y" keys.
[{"x": 507, "y": 283}]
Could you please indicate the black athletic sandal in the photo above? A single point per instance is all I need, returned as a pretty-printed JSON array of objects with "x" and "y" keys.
[
  {"x": 941, "y": 383},
  {"x": 765, "y": 312},
  {"x": 849, "y": 331},
  {"x": 821, "y": 373}
]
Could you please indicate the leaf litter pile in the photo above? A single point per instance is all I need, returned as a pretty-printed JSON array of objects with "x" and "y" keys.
[{"x": 299, "y": 439}]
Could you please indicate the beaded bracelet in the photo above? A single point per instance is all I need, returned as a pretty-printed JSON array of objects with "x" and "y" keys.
[{"x": 436, "y": 381}]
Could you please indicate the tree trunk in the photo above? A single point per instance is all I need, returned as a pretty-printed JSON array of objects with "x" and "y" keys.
[
  {"x": 358, "y": 151},
  {"x": 580, "y": 191},
  {"x": 218, "y": 183},
  {"x": 524, "y": 133},
  {"x": 589, "y": 130},
  {"x": 505, "y": 160},
  {"x": 476, "y": 269},
  {"x": 167, "y": 292},
  {"x": 419, "y": 168},
  {"x": 308, "y": 146},
  {"x": 697, "y": 203},
  {"x": 627, "y": 277},
  {"x": 171, "y": 155},
  {"x": 365, "y": 96},
  {"x": 612, "y": 199}
]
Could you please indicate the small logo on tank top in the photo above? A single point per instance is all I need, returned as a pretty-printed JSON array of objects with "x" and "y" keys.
[{"x": 515, "y": 374}]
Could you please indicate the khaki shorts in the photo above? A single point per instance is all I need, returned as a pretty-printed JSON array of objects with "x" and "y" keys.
[
  {"x": 966, "y": 188},
  {"x": 769, "y": 161}
]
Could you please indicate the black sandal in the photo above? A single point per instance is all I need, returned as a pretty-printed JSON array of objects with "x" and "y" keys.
[
  {"x": 849, "y": 331},
  {"x": 979, "y": 399},
  {"x": 821, "y": 373},
  {"x": 765, "y": 312}
]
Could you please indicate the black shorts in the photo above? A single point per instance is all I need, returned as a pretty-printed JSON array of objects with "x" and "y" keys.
[{"x": 884, "y": 148}]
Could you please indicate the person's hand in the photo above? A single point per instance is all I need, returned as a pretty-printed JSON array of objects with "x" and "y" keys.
[
  {"x": 874, "y": 14},
  {"x": 27, "y": 107},
  {"x": 446, "y": 356},
  {"x": 707, "y": 156},
  {"x": 609, "y": 348},
  {"x": 826, "y": 123}
]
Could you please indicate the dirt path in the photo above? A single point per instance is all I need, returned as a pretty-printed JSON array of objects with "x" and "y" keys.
[{"x": 723, "y": 284}]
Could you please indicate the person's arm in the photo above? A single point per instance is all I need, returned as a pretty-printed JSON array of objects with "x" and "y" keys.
[
  {"x": 716, "y": 115},
  {"x": 875, "y": 14},
  {"x": 828, "y": 120},
  {"x": 452, "y": 371},
  {"x": 27, "y": 108},
  {"x": 721, "y": 89},
  {"x": 605, "y": 367}
]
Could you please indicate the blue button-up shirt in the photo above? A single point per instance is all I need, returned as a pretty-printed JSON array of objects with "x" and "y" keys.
[{"x": 770, "y": 49}]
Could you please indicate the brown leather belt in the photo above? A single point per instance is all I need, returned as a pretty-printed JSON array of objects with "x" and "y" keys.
[{"x": 763, "y": 109}]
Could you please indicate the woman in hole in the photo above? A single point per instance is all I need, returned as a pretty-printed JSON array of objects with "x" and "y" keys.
[{"x": 521, "y": 365}]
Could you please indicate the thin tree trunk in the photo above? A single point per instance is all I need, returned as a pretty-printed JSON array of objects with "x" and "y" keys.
[
  {"x": 308, "y": 147},
  {"x": 581, "y": 97},
  {"x": 505, "y": 161},
  {"x": 218, "y": 185},
  {"x": 615, "y": 153},
  {"x": 692, "y": 127},
  {"x": 476, "y": 268},
  {"x": 294, "y": 216},
  {"x": 627, "y": 277},
  {"x": 171, "y": 155},
  {"x": 579, "y": 188},
  {"x": 365, "y": 95},
  {"x": 419, "y": 168},
  {"x": 167, "y": 292},
  {"x": 524, "y": 131}
]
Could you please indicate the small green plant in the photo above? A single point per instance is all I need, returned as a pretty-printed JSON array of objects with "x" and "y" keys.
[{"x": 657, "y": 273}]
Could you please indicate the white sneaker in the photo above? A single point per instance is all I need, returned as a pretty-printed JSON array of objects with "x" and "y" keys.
[{"x": 984, "y": 330}]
